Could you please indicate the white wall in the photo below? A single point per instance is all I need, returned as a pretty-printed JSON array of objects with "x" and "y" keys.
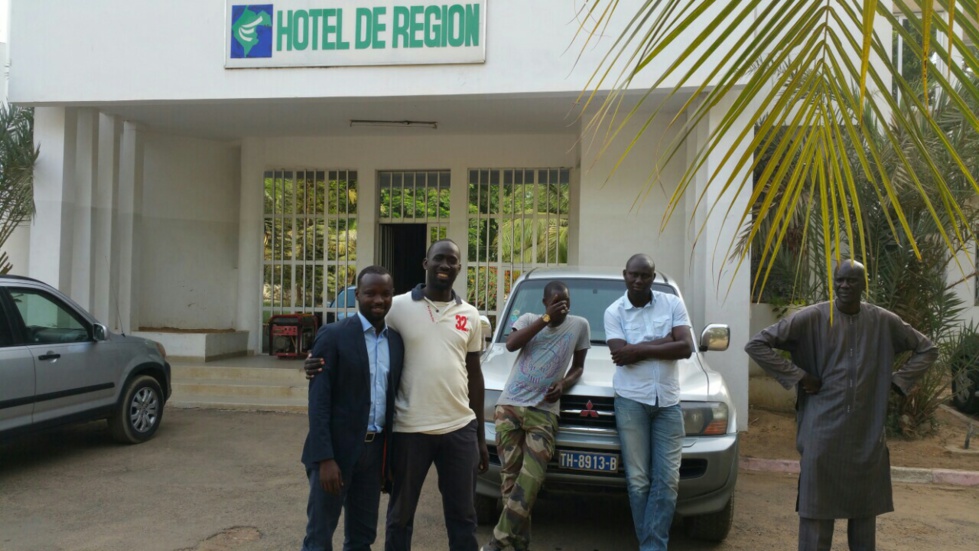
[
  {"x": 619, "y": 218},
  {"x": 18, "y": 247},
  {"x": 965, "y": 290},
  {"x": 121, "y": 50},
  {"x": 189, "y": 234}
]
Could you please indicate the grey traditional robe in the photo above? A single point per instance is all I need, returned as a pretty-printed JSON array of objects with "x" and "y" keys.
[{"x": 845, "y": 468}]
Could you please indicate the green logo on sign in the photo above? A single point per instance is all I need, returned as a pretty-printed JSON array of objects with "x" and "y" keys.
[{"x": 247, "y": 28}]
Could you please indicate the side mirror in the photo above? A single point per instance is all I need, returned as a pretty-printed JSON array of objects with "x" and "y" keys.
[
  {"x": 716, "y": 337},
  {"x": 99, "y": 332},
  {"x": 487, "y": 328}
]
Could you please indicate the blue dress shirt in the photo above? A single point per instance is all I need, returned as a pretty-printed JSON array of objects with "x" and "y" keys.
[{"x": 379, "y": 356}]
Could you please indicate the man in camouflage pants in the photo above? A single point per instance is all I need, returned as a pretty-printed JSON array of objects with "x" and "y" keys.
[{"x": 527, "y": 413}]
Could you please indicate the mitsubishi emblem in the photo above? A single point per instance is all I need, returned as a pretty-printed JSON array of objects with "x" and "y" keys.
[{"x": 589, "y": 410}]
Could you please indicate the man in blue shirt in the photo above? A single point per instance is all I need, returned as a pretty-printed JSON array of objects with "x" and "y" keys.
[
  {"x": 351, "y": 405},
  {"x": 647, "y": 331}
]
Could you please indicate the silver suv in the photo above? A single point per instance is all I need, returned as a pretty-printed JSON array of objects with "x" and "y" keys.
[
  {"x": 587, "y": 459},
  {"x": 59, "y": 365}
]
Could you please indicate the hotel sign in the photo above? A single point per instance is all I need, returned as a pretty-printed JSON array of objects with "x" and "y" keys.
[{"x": 331, "y": 33}]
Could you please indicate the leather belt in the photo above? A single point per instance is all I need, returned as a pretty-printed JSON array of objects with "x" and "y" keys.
[{"x": 371, "y": 436}]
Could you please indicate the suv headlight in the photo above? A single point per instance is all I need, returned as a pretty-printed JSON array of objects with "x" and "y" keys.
[{"x": 704, "y": 418}]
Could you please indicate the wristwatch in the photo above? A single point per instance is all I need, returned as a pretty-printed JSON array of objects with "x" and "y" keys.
[{"x": 546, "y": 318}]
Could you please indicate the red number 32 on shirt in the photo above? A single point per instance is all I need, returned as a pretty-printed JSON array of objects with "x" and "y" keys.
[{"x": 462, "y": 323}]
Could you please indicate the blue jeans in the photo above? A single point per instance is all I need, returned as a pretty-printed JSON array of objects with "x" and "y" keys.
[{"x": 652, "y": 439}]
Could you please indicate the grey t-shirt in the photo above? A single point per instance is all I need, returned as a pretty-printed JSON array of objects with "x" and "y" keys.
[{"x": 543, "y": 360}]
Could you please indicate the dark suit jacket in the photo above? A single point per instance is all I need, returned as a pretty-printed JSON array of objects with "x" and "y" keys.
[{"x": 340, "y": 396}]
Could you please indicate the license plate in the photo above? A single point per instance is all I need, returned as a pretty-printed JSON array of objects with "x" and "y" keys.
[{"x": 587, "y": 461}]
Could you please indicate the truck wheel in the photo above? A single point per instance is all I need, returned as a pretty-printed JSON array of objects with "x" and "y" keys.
[
  {"x": 139, "y": 411},
  {"x": 487, "y": 510},
  {"x": 712, "y": 526}
]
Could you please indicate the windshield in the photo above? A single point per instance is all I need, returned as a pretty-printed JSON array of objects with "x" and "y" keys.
[{"x": 589, "y": 299}]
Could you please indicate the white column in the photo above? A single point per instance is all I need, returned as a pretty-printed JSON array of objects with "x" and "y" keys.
[
  {"x": 84, "y": 178},
  {"x": 458, "y": 229},
  {"x": 51, "y": 235},
  {"x": 720, "y": 295},
  {"x": 366, "y": 215},
  {"x": 128, "y": 219},
  {"x": 104, "y": 278},
  {"x": 250, "y": 228}
]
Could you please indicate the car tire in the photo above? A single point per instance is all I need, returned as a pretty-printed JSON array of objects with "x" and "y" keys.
[
  {"x": 487, "y": 510},
  {"x": 712, "y": 526},
  {"x": 139, "y": 411}
]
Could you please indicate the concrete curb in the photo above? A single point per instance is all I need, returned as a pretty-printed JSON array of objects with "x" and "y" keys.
[{"x": 898, "y": 474}]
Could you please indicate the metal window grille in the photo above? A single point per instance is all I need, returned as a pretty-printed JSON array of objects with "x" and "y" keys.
[
  {"x": 310, "y": 242},
  {"x": 414, "y": 197},
  {"x": 518, "y": 220}
]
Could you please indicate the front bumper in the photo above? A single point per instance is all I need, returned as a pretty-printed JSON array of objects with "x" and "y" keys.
[{"x": 708, "y": 470}]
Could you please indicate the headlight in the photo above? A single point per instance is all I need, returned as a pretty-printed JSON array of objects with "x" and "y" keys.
[
  {"x": 704, "y": 418},
  {"x": 489, "y": 404}
]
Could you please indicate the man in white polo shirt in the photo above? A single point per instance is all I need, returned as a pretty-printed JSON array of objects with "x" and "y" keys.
[
  {"x": 647, "y": 331},
  {"x": 438, "y": 410}
]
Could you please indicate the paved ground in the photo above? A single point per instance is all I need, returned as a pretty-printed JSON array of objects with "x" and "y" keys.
[{"x": 231, "y": 481}]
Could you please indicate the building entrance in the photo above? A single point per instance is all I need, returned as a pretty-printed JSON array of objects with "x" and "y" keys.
[
  {"x": 403, "y": 247},
  {"x": 413, "y": 212}
]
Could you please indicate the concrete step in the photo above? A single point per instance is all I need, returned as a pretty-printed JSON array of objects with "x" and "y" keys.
[{"x": 250, "y": 384}]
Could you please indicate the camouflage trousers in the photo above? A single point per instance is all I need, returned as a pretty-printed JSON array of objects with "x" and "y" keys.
[{"x": 525, "y": 443}]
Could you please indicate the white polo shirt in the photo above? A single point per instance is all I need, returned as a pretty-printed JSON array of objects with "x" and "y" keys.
[{"x": 434, "y": 393}]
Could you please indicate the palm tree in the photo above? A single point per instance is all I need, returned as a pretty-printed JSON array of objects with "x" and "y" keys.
[
  {"x": 901, "y": 278},
  {"x": 17, "y": 157},
  {"x": 797, "y": 77}
]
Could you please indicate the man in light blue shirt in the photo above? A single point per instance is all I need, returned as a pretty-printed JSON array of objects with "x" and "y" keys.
[{"x": 646, "y": 332}]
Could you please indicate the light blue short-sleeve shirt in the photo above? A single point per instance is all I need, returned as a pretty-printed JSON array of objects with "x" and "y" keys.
[{"x": 653, "y": 382}]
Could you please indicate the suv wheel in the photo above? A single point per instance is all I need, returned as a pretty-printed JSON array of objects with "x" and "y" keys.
[
  {"x": 713, "y": 526},
  {"x": 139, "y": 412}
]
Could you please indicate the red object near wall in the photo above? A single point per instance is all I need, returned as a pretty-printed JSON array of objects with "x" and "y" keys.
[{"x": 291, "y": 335}]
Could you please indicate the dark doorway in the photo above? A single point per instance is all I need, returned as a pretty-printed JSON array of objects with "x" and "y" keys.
[{"x": 402, "y": 248}]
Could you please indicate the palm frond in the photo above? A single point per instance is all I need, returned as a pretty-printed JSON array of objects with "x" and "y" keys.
[
  {"x": 802, "y": 79},
  {"x": 18, "y": 155}
]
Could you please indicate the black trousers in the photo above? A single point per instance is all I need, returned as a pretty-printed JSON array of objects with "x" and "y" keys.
[{"x": 456, "y": 459}]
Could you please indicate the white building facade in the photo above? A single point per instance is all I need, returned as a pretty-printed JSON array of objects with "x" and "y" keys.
[{"x": 205, "y": 165}]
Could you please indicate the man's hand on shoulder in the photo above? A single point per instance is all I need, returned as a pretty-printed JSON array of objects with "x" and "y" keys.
[{"x": 312, "y": 366}]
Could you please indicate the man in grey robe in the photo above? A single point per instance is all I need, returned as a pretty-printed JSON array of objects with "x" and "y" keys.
[{"x": 843, "y": 369}]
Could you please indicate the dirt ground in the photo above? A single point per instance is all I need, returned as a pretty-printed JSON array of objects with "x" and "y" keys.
[
  {"x": 771, "y": 435},
  {"x": 231, "y": 481}
]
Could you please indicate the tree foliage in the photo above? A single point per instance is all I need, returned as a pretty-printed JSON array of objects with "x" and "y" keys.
[
  {"x": 793, "y": 79},
  {"x": 17, "y": 157},
  {"x": 910, "y": 281}
]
